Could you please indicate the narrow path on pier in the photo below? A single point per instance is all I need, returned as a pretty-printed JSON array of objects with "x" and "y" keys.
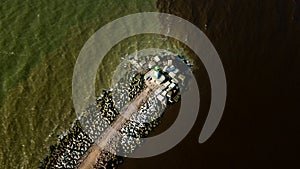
[{"x": 91, "y": 156}]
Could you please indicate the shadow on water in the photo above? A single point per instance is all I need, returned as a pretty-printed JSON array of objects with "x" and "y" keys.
[{"x": 258, "y": 45}]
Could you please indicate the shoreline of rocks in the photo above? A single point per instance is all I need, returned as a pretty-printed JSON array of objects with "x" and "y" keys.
[{"x": 75, "y": 143}]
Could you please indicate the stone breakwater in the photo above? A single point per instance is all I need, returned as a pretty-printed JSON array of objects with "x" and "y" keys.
[{"x": 75, "y": 144}]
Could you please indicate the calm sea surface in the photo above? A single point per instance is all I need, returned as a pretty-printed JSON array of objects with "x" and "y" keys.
[{"x": 258, "y": 42}]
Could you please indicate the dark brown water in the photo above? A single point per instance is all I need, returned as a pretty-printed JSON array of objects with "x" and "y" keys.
[{"x": 258, "y": 42}]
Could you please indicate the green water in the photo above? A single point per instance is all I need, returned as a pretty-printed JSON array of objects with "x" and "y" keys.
[
  {"x": 32, "y": 30},
  {"x": 39, "y": 44}
]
